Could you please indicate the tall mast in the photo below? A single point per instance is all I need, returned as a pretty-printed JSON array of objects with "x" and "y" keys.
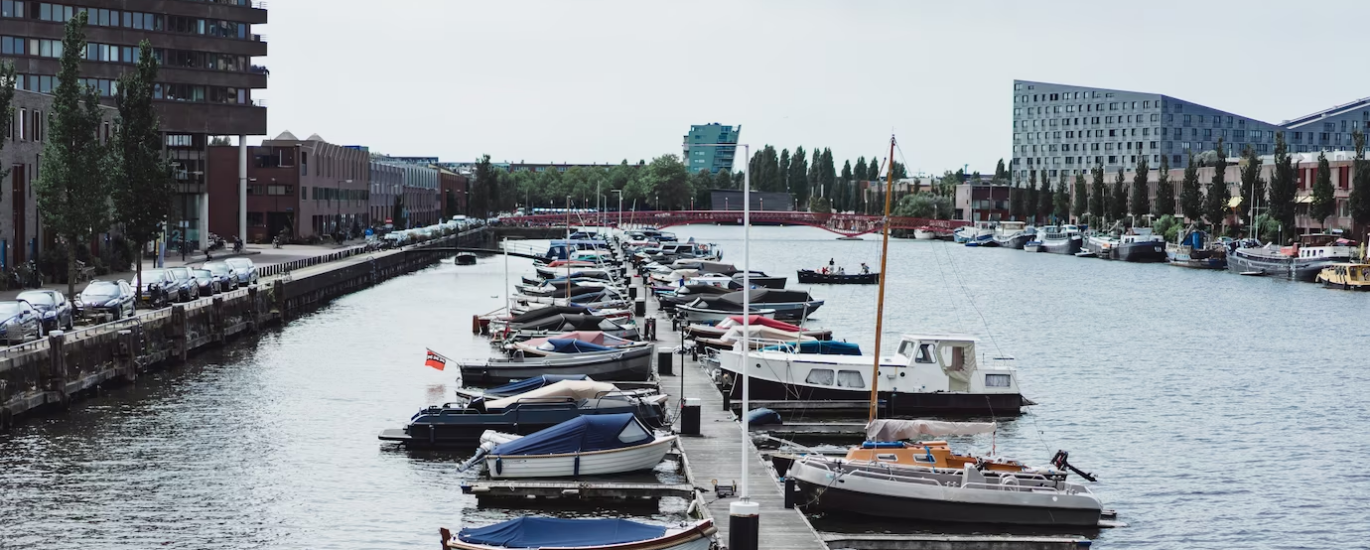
[{"x": 880, "y": 301}]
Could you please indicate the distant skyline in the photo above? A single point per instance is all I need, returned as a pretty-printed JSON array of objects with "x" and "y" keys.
[{"x": 600, "y": 81}]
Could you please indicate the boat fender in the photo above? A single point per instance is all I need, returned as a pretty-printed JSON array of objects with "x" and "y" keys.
[
  {"x": 576, "y": 472},
  {"x": 499, "y": 465}
]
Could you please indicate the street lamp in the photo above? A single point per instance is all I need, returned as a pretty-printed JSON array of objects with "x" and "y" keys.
[{"x": 744, "y": 510}]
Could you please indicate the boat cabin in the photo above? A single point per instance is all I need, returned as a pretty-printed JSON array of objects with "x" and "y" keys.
[
  {"x": 949, "y": 363},
  {"x": 1346, "y": 275},
  {"x": 563, "y": 249}
]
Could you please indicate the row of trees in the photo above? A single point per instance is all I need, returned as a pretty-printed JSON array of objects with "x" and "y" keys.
[
  {"x": 1209, "y": 203},
  {"x": 86, "y": 185}
]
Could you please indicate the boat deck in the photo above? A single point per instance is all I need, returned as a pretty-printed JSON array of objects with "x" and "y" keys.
[{"x": 713, "y": 455}]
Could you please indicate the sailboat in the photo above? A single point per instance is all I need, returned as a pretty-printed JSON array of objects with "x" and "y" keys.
[{"x": 937, "y": 485}]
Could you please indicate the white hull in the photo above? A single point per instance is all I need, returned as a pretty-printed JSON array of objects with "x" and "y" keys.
[
  {"x": 710, "y": 316},
  {"x": 924, "y": 235},
  {"x": 632, "y": 459}
]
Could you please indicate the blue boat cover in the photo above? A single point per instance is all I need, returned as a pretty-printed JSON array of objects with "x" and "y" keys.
[
  {"x": 763, "y": 417},
  {"x": 595, "y": 432},
  {"x": 530, "y": 384},
  {"x": 571, "y": 345},
  {"x": 533, "y": 532},
  {"x": 822, "y": 347}
]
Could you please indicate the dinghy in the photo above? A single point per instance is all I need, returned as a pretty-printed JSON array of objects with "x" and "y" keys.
[
  {"x": 583, "y": 446},
  {"x": 532, "y": 533}
]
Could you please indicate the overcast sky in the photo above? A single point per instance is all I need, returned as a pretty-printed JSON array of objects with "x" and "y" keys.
[{"x": 561, "y": 81}]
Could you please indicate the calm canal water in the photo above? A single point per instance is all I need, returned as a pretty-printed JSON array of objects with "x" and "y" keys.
[{"x": 1219, "y": 411}]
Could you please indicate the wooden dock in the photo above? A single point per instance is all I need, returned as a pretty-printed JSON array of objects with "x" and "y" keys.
[
  {"x": 951, "y": 542},
  {"x": 713, "y": 455}
]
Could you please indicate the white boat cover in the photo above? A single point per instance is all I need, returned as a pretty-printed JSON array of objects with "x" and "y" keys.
[
  {"x": 763, "y": 332},
  {"x": 898, "y": 430},
  {"x": 574, "y": 389}
]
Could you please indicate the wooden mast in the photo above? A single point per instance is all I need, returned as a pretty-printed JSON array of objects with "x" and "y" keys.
[{"x": 880, "y": 301}]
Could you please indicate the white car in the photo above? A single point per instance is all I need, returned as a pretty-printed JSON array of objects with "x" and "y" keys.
[{"x": 243, "y": 270}]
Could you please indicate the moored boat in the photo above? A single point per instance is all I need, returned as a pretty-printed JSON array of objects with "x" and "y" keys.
[
  {"x": 981, "y": 232},
  {"x": 1346, "y": 276},
  {"x": 1013, "y": 234},
  {"x": 1139, "y": 244},
  {"x": 567, "y": 356},
  {"x": 930, "y": 374},
  {"x": 1301, "y": 261},
  {"x": 1064, "y": 239},
  {"x": 1196, "y": 251},
  {"x": 583, "y": 446},
  {"x": 533, "y": 533}
]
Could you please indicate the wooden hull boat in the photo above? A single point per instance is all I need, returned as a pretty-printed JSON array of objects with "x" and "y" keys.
[{"x": 1346, "y": 276}]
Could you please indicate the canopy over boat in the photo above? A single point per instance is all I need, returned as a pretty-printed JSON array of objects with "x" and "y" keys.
[
  {"x": 763, "y": 332},
  {"x": 535, "y": 532},
  {"x": 591, "y": 336},
  {"x": 570, "y": 345},
  {"x": 755, "y": 320},
  {"x": 530, "y": 384},
  {"x": 545, "y": 312},
  {"x": 884, "y": 429},
  {"x": 574, "y": 389},
  {"x": 582, "y": 434},
  {"x": 769, "y": 296},
  {"x": 821, "y": 347}
]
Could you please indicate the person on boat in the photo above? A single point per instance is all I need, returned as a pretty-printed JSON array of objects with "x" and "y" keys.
[
  {"x": 865, "y": 269},
  {"x": 841, "y": 271}
]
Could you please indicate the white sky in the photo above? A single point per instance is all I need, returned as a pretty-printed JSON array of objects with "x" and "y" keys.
[{"x": 583, "y": 81}]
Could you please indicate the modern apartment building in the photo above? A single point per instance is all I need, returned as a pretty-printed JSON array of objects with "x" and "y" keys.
[
  {"x": 206, "y": 48},
  {"x": 711, "y": 158},
  {"x": 415, "y": 180},
  {"x": 1062, "y": 128},
  {"x": 1329, "y": 129}
]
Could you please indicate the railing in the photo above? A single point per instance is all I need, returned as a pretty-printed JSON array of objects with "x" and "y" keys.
[{"x": 835, "y": 222}]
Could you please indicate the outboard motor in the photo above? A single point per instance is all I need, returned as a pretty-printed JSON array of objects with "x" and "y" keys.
[{"x": 1060, "y": 461}]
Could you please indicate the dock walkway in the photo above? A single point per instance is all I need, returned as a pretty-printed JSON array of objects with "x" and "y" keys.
[{"x": 713, "y": 455}]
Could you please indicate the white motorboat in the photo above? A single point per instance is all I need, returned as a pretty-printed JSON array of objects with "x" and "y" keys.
[{"x": 583, "y": 446}]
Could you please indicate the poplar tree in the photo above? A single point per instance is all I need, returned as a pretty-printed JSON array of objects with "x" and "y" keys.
[
  {"x": 1080, "y": 204},
  {"x": 1046, "y": 198},
  {"x": 783, "y": 174},
  {"x": 1140, "y": 203},
  {"x": 1061, "y": 202},
  {"x": 1253, "y": 188},
  {"x": 1000, "y": 174},
  {"x": 1283, "y": 186},
  {"x": 827, "y": 174},
  {"x": 1030, "y": 198},
  {"x": 1165, "y": 191},
  {"x": 842, "y": 198},
  {"x": 815, "y": 174},
  {"x": 1117, "y": 203},
  {"x": 1360, "y": 193},
  {"x": 73, "y": 183},
  {"x": 858, "y": 171},
  {"x": 1015, "y": 197},
  {"x": 799, "y": 181},
  {"x": 1191, "y": 198},
  {"x": 1218, "y": 195},
  {"x": 143, "y": 184},
  {"x": 1098, "y": 197},
  {"x": 1324, "y": 199}
]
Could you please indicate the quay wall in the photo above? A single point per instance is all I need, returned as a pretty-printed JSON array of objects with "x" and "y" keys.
[{"x": 53, "y": 372}]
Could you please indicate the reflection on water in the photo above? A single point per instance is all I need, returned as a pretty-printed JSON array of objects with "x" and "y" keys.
[{"x": 1212, "y": 407}]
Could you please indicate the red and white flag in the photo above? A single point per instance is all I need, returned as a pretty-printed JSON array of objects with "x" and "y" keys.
[{"x": 435, "y": 360}]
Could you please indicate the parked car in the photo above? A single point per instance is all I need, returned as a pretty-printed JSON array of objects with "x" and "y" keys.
[
  {"x": 159, "y": 288},
  {"x": 224, "y": 274},
  {"x": 244, "y": 270},
  {"x": 204, "y": 278},
  {"x": 114, "y": 298},
  {"x": 186, "y": 286},
  {"x": 53, "y": 307},
  {"x": 19, "y": 322}
]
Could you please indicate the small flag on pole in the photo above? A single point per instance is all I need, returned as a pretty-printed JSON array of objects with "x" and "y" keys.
[{"x": 435, "y": 360}]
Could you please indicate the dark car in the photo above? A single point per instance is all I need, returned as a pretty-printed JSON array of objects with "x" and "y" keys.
[
  {"x": 113, "y": 298},
  {"x": 244, "y": 270},
  {"x": 204, "y": 278},
  {"x": 187, "y": 288},
  {"x": 158, "y": 288},
  {"x": 224, "y": 274},
  {"x": 52, "y": 306},
  {"x": 19, "y": 322}
]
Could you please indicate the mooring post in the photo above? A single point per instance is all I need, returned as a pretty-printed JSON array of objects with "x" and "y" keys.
[
  {"x": 178, "y": 330},
  {"x": 744, "y": 525}
]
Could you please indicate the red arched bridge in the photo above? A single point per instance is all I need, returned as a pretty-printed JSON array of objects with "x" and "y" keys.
[{"x": 849, "y": 225}]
